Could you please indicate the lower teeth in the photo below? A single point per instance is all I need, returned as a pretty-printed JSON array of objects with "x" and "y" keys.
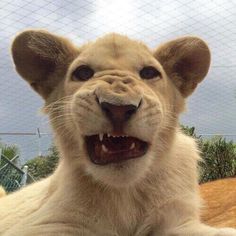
[
  {"x": 132, "y": 146},
  {"x": 104, "y": 148}
]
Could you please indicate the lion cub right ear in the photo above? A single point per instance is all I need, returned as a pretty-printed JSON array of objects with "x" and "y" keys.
[
  {"x": 186, "y": 61},
  {"x": 42, "y": 59}
]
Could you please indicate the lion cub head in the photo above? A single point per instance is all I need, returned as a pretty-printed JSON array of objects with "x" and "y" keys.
[{"x": 113, "y": 103}]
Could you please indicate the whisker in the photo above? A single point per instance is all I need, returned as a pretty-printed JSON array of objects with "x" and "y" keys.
[
  {"x": 57, "y": 118},
  {"x": 86, "y": 100},
  {"x": 59, "y": 101},
  {"x": 85, "y": 107},
  {"x": 149, "y": 107}
]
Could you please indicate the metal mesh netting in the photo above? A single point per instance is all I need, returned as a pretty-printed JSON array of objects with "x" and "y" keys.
[
  {"x": 211, "y": 109},
  {"x": 10, "y": 179},
  {"x": 10, "y": 174}
]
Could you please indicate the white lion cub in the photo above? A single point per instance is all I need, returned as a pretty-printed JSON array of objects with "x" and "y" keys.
[{"x": 126, "y": 169}]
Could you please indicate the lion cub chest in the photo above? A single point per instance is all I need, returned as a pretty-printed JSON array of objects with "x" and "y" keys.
[{"x": 120, "y": 214}]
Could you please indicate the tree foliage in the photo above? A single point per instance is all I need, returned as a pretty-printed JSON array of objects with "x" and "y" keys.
[
  {"x": 10, "y": 177},
  {"x": 43, "y": 166},
  {"x": 9, "y": 150},
  {"x": 218, "y": 156}
]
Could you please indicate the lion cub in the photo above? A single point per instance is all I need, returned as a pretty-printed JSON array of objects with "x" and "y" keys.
[{"x": 126, "y": 169}]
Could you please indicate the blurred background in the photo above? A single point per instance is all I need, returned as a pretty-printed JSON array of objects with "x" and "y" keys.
[{"x": 211, "y": 109}]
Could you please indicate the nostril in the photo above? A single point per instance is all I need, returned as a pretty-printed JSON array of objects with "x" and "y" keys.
[
  {"x": 131, "y": 109},
  {"x": 106, "y": 109}
]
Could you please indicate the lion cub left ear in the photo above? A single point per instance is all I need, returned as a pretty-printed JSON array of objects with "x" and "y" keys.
[
  {"x": 186, "y": 61},
  {"x": 42, "y": 59}
]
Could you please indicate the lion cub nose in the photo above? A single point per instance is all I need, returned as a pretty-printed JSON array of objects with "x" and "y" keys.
[{"x": 118, "y": 114}]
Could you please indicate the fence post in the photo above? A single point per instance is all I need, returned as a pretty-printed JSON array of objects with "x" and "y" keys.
[
  {"x": 39, "y": 142},
  {"x": 24, "y": 177}
]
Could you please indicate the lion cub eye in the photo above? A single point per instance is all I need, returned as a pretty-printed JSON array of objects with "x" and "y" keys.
[
  {"x": 82, "y": 73},
  {"x": 149, "y": 72}
]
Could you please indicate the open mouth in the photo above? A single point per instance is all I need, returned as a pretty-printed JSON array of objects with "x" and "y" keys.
[{"x": 105, "y": 149}]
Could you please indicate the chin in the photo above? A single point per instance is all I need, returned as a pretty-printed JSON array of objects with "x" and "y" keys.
[{"x": 125, "y": 174}]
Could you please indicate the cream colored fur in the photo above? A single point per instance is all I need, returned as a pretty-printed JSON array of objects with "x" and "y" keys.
[{"x": 154, "y": 195}]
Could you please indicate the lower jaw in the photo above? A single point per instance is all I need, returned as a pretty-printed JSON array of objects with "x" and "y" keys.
[{"x": 112, "y": 159}]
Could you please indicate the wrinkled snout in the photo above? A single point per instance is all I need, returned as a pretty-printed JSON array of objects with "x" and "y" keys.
[{"x": 119, "y": 98}]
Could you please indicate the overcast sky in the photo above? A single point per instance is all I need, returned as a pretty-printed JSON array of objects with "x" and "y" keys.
[{"x": 211, "y": 109}]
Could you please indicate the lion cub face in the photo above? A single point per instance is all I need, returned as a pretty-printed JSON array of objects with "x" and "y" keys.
[{"x": 113, "y": 103}]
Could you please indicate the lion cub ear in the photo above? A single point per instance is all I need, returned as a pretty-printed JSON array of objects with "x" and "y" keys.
[
  {"x": 42, "y": 59},
  {"x": 186, "y": 61}
]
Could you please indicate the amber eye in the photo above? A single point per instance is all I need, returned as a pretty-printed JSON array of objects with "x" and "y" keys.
[
  {"x": 82, "y": 73},
  {"x": 149, "y": 72}
]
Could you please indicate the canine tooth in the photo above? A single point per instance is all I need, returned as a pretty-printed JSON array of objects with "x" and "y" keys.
[
  {"x": 132, "y": 146},
  {"x": 104, "y": 148},
  {"x": 108, "y": 135},
  {"x": 100, "y": 137}
]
